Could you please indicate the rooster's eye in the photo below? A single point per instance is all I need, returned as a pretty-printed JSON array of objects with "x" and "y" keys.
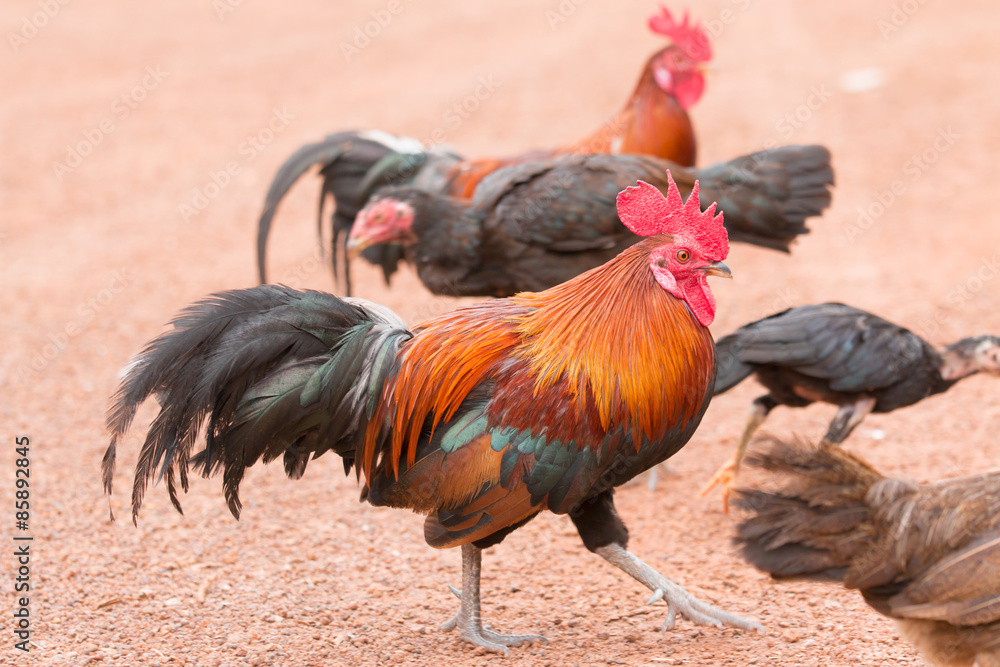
[{"x": 683, "y": 255}]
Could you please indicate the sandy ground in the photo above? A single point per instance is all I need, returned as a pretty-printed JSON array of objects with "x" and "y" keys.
[{"x": 115, "y": 115}]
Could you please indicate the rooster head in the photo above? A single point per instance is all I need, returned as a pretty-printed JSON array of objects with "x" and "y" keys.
[
  {"x": 677, "y": 69},
  {"x": 381, "y": 221},
  {"x": 691, "y": 243}
]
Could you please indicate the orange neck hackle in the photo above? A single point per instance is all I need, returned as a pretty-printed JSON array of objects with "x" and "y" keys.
[{"x": 621, "y": 341}]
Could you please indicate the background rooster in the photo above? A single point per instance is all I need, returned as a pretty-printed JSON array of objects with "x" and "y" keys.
[
  {"x": 654, "y": 121},
  {"x": 537, "y": 224},
  {"x": 842, "y": 355},
  {"x": 480, "y": 418},
  {"x": 925, "y": 555}
]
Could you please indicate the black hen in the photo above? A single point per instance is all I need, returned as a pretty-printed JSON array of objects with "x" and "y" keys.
[
  {"x": 925, "y": 555},
  {"x": 840, "y": 355},
  {"x": 540, "y": 223}
]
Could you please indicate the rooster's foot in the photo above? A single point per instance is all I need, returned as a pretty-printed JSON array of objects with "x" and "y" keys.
[
  {"x": 473, "y": 631},
  {"x": 467, "y": 620},
  {"x": 678, "y": 600}
]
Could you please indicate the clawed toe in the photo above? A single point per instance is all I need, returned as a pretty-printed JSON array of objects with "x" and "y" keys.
[
  {"x": 510, "y": 640},
  {"x": 679, "y": 601},
  {"x": 481, "y": 636},
  {"x": 470, "y": 627},
  {"x": 726, "y": 478}
]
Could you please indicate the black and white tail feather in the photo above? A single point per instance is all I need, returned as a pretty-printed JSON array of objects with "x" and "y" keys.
[
  {"x": 274, "y": 371},
  {"x": 353, "y": 165}
]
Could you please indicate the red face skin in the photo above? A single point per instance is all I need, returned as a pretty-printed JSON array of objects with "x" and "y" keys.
[
  {"x": 680, "y": 76},
  {"x": 696, "y": 245},
  {"x": 682, "y": 270},
  {"x": 384, "y": 221}
]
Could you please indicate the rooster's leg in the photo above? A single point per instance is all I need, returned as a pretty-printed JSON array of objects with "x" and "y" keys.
[
  {"x": 603, "y": 532},
  {"x": 848, "y": 417},
  {"x": 678, "y": 600},
  {"x": 467, "y": 620},
  {"x": 726, "y": 475}
]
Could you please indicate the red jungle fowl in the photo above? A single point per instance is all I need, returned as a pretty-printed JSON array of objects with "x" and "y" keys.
[
  {"x": 480, "y": 418},
  {"x": 354, "y": 164}
]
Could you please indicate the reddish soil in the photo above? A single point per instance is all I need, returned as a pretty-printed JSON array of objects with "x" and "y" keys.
[{"x": 96, "y": 255}]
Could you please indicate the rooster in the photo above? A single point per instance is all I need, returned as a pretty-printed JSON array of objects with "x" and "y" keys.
[
  {"x": 842, "y": 355},
  {"x": 480, "y": 418},
  {"x": 926, "y": 555},
  {"x": 654, "y": 121},
  {"x": 538, "y": 224}
]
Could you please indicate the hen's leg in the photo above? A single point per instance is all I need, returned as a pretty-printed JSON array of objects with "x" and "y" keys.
[
  {"x": 848, "y": 417},
  {"x": 467, "y": 620},
  {"x": 604, "y": 533},
  {"x": 726, "y": 475}
]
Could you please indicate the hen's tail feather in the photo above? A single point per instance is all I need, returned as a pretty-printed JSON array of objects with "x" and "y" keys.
[
  {"x": 818, "y": 522},
  {"x": 322, "y": 152},
  {"x": 353, "y": 165},
  {"x": 731, "y": 370},
  {"x": 276, "y": 372},
  {"x": 768, "y": 196}
]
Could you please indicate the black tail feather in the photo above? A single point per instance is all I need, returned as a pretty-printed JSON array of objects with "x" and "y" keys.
[
  {"x": 353, "y": 165},
  {"x": 322, "y": 152},
  {"x": 275, "y": 372}
]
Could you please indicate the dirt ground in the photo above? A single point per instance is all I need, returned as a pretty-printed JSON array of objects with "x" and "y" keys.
[{"x": 138, "y": 141}]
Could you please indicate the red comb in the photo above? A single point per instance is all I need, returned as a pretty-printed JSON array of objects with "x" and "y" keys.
[
  {"x": 688, "y": 37},
  {"x": 644, "y": 210}
]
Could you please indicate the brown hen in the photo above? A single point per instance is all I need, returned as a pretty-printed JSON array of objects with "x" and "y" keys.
[{"x": 925, "y": 555}]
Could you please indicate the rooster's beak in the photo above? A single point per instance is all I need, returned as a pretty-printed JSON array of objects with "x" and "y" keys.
[
  {"x": 355, "y": 246},
  {"x": 718, "y": 269}
]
